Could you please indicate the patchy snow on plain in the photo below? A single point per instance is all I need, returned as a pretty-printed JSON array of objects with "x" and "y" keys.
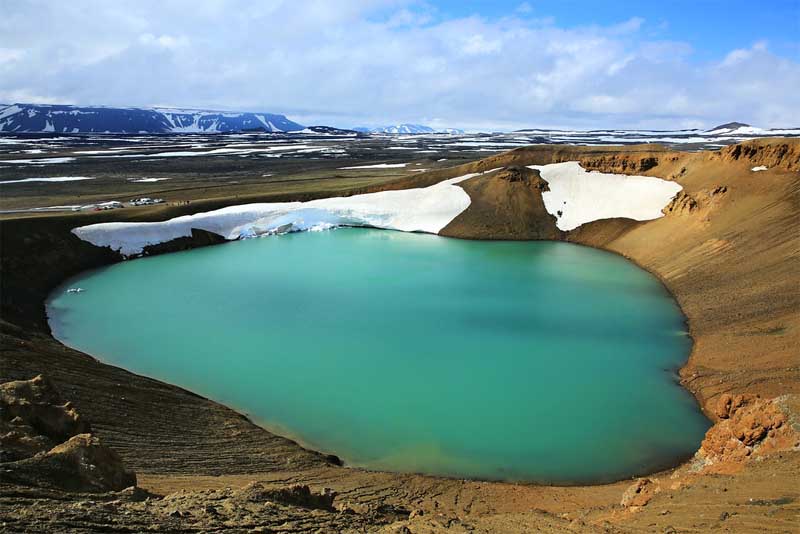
[
  {"x": 377, "y": 166},
  {"x": 106, "y": 151},
  {"x": 55, "y": 179},
  {"x": 214, "y": 152},
  {"x": 427, "y": 209},
  {"x": 741, "y": 130},
  {"x": 72, "y": 207},
  {"x": 39, "y": 161},
  {"x": 583, "y": 196},
  {"x": 146, "y": 180},
  {"x": 759, "y": 168}
]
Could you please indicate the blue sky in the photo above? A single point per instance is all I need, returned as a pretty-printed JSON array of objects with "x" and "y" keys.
[
  {"x": 473, "y": 64},
  {"x": 712, "y": 27}
]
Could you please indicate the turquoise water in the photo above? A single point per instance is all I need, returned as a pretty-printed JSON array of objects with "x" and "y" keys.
[{"x": 534, "y": 361}]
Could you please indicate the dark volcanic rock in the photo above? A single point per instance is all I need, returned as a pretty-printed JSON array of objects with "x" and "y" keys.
[
  {"x": 199, "y": 238},
  {"x": 332, "y": 131}
]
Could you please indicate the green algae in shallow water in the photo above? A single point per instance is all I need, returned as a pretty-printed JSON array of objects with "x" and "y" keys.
[{"x": 535, "y": 361}]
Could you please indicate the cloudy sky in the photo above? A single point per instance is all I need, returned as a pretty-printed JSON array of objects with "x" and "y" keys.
[{"x": 473, "y": 64}]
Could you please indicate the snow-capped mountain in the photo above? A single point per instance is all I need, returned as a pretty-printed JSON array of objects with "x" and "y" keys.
[
  {"x": 740, "y": 128},
  {"x": 451, "y": 131},
  {"x": 408, "y": 129},
  {"x": 733, "y": 128},
  {"x": 75, "y": 119},
  {"x": 404, "y": 129}
]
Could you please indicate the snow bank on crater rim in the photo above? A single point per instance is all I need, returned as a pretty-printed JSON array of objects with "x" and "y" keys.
[
  {"x": 583, "y": 197},
  {"x": 580, "y": 196},
  {"x": 427, "y": 209}
]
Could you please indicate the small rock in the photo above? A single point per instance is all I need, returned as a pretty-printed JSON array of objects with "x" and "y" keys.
[
  {"x": 334, "y": 460},
  {"x": 638, "y": 494},
  {"x": 298, "y": 495},
  {"x": 134, "y": 494}
]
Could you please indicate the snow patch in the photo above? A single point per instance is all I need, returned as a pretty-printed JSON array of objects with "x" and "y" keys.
[
  {"x": 40, "y": 161},
  {"x": 759, "y": 168},
  {"x": 215, "y": 152},
  {"x": 377, "y": 166},
  {"x": 427, "y": 209},
  {"x": 741, "y": 130},
  {"x": 577, "y": 197}
]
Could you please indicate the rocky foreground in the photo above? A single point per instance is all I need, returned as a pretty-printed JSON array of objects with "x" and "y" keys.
[
  {"x": 56, "y": 475},
  {"x": 727, "y": 248}
]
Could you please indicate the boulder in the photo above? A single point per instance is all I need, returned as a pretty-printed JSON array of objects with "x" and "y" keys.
[
  {"x": 639, "y": 493},
  {"x": 728, "y": 404},
  {"x": 38, "y": 404},
  {"x": 19, "y": 440},
  {"x": 296, "y": 495},
  {"x": 44, "y": 442},
  {"x": 81, "y": 463},
  {"x": 746, "y": 422}
]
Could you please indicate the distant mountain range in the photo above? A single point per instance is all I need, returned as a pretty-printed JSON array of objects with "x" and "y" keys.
[
  {"x": 407, "y": 129},
  {"x": 329, "y": 130},
  {"x": 729, "y": 129},
  {"x": 74, "y": 119},
  {"x": 43, "y": 118}
]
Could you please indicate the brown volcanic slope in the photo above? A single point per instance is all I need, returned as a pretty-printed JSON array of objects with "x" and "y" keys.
[
  {"x": 727, "y": 248},
  {"x": 505, "y": 204}
]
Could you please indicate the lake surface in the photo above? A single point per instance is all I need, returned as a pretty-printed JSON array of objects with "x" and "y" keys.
[{"x": 534, "y": 361}]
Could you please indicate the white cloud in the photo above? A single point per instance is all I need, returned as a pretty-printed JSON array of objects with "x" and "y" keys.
[
  {"x": 7, "y": 55},
  {"x": 407, "y": 17},
  {"x": 355, "y": 62},
  {"x": 524, "y": 8},
  {"x": 740, "y": 55},
  {"x": 478, "y": 44},
  {"x": 629, "y": 26},
  {"x": 164, "y": 41}
]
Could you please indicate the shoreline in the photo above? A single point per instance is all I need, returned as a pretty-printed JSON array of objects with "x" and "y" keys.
[{"x": 667, "y": 466}]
